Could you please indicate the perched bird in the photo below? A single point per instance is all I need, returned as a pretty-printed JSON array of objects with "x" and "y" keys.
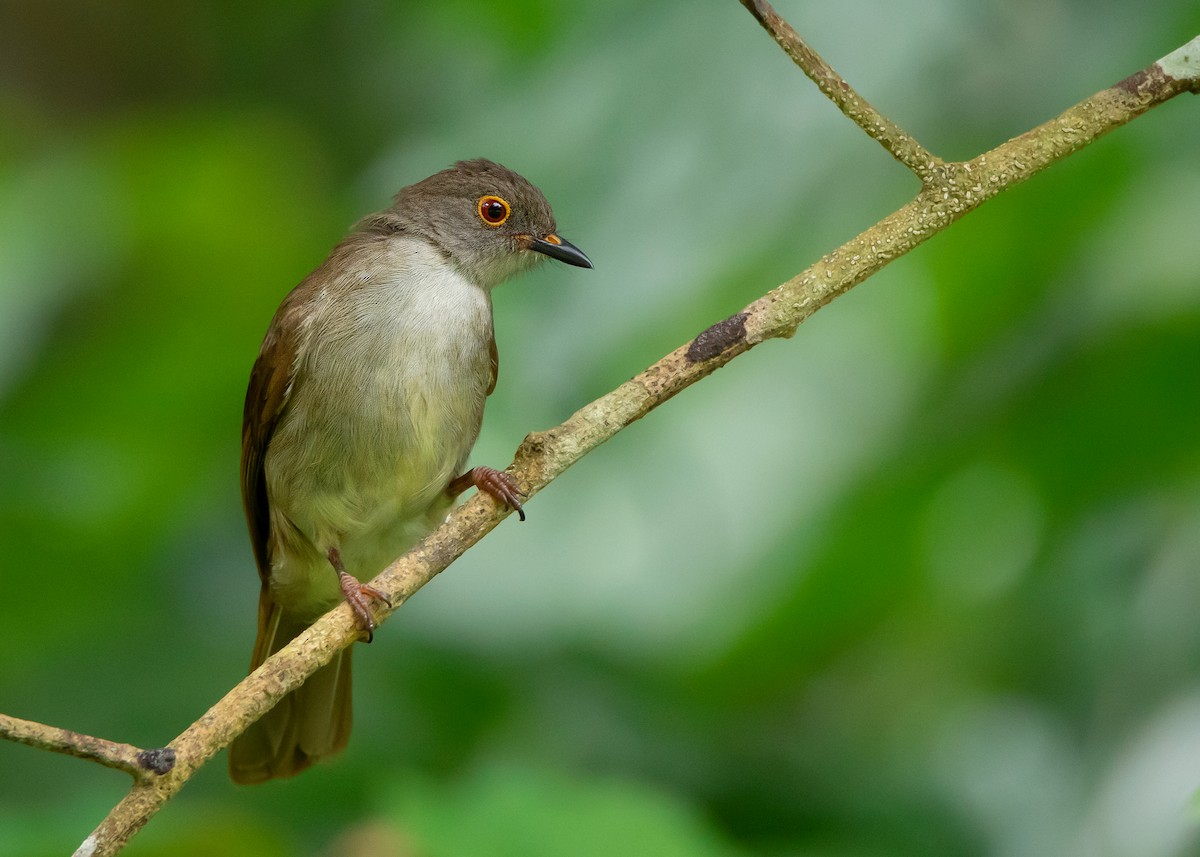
[{"x": 362, "y": 408}]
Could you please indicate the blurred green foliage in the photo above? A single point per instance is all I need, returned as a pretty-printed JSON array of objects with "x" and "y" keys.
[{"x": 921, "y": 581}]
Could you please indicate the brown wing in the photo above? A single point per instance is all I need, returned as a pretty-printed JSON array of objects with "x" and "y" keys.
[{"x": 266, "y": 398}]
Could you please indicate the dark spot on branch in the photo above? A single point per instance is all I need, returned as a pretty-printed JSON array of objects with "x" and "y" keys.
[
  {"x": 1135, "y": 82},
  {"x": 159, "y": 761},
  {"x": 718, "y": 338}
]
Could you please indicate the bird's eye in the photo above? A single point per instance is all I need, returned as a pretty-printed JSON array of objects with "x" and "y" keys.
[{"x": 493, "y": 210}]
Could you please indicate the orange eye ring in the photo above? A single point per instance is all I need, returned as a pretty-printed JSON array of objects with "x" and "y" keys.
[{"x": 493, "y": 210}]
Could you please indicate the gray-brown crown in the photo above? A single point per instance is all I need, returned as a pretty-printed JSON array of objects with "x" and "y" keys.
[{"x": 444, "y": 210}]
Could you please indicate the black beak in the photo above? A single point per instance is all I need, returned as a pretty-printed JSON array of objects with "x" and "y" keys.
[{"x": 560, "y": 249}]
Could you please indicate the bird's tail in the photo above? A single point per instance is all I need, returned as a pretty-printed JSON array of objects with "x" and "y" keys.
[{"x": 309, "y": 724}]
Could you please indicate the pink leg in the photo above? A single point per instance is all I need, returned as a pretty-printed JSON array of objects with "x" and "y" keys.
[
  {"x": 357, "y": 594},
  {"x": 496, "y": 483}
]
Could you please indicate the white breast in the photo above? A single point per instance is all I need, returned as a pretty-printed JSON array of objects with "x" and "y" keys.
[{"x": 387, "y": 402}]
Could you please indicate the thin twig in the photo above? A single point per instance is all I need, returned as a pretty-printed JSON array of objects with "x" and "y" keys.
[
  {"x": 543, "y": 456},
  {"x": 124, "y": 757},
  {"x": 902, "y": 146}
]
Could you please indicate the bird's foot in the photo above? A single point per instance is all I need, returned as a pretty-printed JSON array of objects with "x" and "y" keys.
[
  {"x": 357, "y": 594},
  {"x": 495, "y": 483}
]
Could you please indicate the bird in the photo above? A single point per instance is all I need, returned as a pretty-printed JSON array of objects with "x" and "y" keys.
[{"x": 361, "y": 410}]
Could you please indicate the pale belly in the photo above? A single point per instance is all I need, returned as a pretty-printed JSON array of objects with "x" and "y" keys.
[{"x": 362, "y": 457}]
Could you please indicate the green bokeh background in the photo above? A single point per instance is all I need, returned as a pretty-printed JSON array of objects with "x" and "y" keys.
[{"x": 921, "y": 581}]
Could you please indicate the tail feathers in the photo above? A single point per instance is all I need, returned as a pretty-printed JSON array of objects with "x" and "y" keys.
[{"x": 309, "y": 724}]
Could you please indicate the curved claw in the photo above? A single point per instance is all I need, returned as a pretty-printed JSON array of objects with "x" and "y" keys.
[
  {"x": 500, "y": 486},
  {"x": 357, "y": 595}
]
